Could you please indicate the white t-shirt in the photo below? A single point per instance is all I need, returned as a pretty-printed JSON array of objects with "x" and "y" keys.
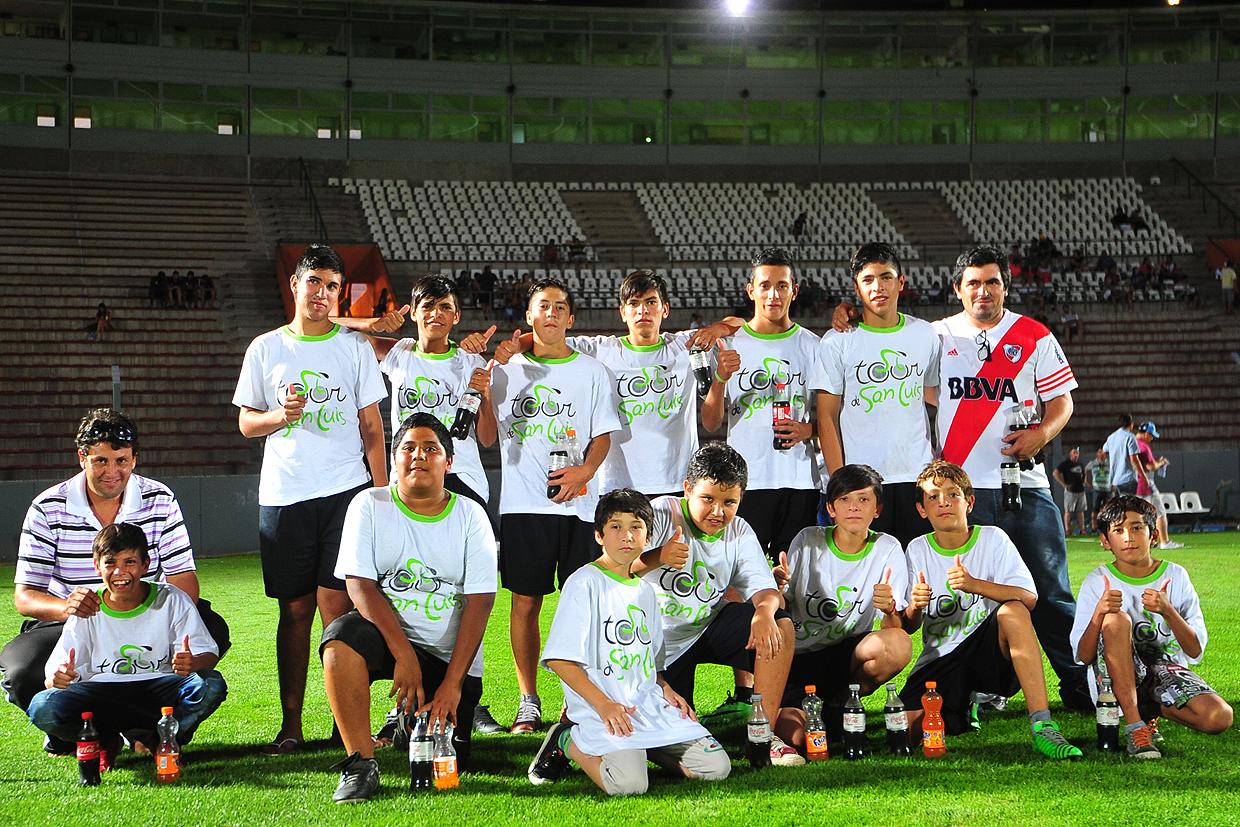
[
  {"x": 765, "y": 358},
  {"x": 1151, "y": 635},
  {"x": 434, "y": 383},
  {"x": 535, "y": 401},
  {"x": 951, "y": 617},
  {"x": 112, "y": 646},
  {"x": 322, "y": 453},
  {"x": 425, "y": 566},
  {"x": 1120, "y": 446},
  {"x": 610, "y": 626},
  {"x": 690, "y": 597},
  {"x": 974, "y": 395},
  {"x": 831, "y": 594},
  {"x": 657, "y": 407},
  {"x": 881, "y": 375}
]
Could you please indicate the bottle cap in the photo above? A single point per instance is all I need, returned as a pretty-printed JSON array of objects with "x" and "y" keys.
[
  {"x": 931, "y": 684},
  {"x": 757, "y": 698},
  {"x": 854, "y": 687},
  {"x": 811, "y": 689},
  {"x": 166, "y": 710},
  {"x": 86, "y": 716}
]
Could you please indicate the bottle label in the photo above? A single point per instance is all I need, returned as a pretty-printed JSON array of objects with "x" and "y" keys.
[
  {"x": 760, "y": 733},
  {"x": 816, "y": 742},
  {"x": 1108, "y": 715},
  {"x": 445, "y": 772},
  {"x": 933, "y": 739},
  {"x": 854, "y": 722},
  {"x": 1009, "y": 474},
  {"x": 421, "y": 750},
  {"x": 167, "y": 764},
  {"x": 896, "y": 721},
  {"x": 87, "y": 750},
  {"x": 471, "y": 402},
  {"x": 698, "y": 359}
]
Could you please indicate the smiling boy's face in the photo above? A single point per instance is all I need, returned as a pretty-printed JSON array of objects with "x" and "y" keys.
[
  {"x": 1130, "y": 541},
  {"x": 712, "y": 506},
  {"x": 122, "y": 574}
]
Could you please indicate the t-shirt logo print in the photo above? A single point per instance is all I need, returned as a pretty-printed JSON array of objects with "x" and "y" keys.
[
  {"x": 133, "y": 660},
  {"x": 828, "y": 608},
  {"x": 695, "y": 584},
  {"x": 310, "y": 385},
  {"x": 889, "y": 371},
  {"x": 624, "y": 633},
  {"x": 428, "y": 395},
  {"x": 758, "y": 386},
  {"x": 540, "y": 404},
  {"x": 415, "y": 575},
  {"x": 657, "y": 381}
]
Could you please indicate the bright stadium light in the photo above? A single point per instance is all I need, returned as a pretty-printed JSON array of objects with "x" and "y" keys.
[{"x": 738, "y": 7}]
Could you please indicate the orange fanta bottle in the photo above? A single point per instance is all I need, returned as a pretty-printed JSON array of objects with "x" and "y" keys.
[{"x": 933, "y": 730}]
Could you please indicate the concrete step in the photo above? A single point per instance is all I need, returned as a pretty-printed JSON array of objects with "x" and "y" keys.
[{"x": 224, "y": 385}]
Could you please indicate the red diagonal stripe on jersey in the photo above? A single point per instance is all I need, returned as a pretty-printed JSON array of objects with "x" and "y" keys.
[{"x": 973, "y": 415}]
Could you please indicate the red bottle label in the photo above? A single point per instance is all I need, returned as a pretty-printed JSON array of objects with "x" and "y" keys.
[{"x": 87, "y": 750}]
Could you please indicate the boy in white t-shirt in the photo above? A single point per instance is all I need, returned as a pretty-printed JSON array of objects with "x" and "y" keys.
[
  {"x": 312, "y": 389},
  {"x": 145, "y": 649},
  {"x": 545, "y": 518},
  {"x": 837, "y": 582},
  {"x": 1139, "y": 622},
  {"x": 875, "y": 380},
  {"x": 606, "y": 646},
  {"x": 973, "y": 593},
  {"x": 431, "y": 373},
  {"x": 419, "y": 562}
]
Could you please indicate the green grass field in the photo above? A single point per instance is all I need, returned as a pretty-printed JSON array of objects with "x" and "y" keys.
[{"x": 990, "y": 777}]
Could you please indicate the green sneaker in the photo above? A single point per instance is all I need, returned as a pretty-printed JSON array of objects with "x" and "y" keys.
[
  {"x": 1048, "y": 740},
  {"x": 731, "y": 711}
]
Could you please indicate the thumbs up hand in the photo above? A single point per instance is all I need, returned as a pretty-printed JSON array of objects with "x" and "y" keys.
[
  {"x": 65, "y": 674},
  {"x": 959, "y": 579},
  {"x": 509, "y": 348},
  {"x": 183, "y": 661},
  {"x": 729, "y": 363},
  {"x": 1156, "y": 600},
  {"x": 675, "y": 552},
  {"x": 921, "y": 592},
  {"x": 477, "y": 342},
  {"x": 884, "y": 600},
  {"x": 1112, "y": 600},
  {"x": 782, "y": 574}
]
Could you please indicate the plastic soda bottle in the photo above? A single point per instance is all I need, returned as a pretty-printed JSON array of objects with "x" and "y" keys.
[
  {"x": 576, "y": 456},
  {"x": 815, "y": 732},
  {"x": 88, "y": 752},
  {"x": 759, "y": 735},
  {"x": 781, "y": 408},
  {"x": 445, "y": 761},
  {"x": 466, "y": 413},
  {"x": 1107, "y": 711},
  {"x": 896, "y": 719},
  {"x": 854, "y": 724},
  {"x": 421, "y": 756},
  {"x": 933, "y": 729},
  {"x": 168, "y": 756},
  {"x": 558, "y": 459},
  {"x": 699, "y": 362}
]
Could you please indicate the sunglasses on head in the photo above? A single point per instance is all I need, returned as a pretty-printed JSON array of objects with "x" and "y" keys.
[{"x": 109, "y": 432}]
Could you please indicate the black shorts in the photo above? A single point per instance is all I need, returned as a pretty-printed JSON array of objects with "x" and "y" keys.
[
  {"x": 534, "y": 547},
  {"x": 298, "y": 544},
  {"x": 899, "y": 517},
  {"x": 723, "y": 642},
  {"x": 976, "y": 665},
  {"x": 363, "y": 637},
  {"x": 828, "y": 669},
  {"x": 777, "y": 514}
]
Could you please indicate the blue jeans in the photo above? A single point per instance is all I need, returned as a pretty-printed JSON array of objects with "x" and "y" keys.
[
  {"x": 132, "y": 707},
  {"x": 1037, "y": 532}
]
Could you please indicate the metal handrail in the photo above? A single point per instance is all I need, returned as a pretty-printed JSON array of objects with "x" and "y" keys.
[
  {"x": 307, "y": 189},
  {"x": 1220, "y": 205}
]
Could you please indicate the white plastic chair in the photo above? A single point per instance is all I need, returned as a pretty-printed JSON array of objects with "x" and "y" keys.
[
  {"x": 1170, "y": 503},
  {"x": 1190, "y": 503}
]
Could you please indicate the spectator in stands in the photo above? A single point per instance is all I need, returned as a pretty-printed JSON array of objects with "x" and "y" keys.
[
  {"x": 176, "y": 288},
  {"x": 1227, "y": 281},
  {"x": 189, "y": 290},
  {"x": 1077, "y": 263},
  {"x": 55, "y": 577},
  {"x": 486, "y": 289},
  {"x": 1137, "y": 222},
  {"x": 550, "y": 254},
  {"x": 382, "y": 303},
  {"x": 695, "y": 321},
  {"x": 1071, "y": 475},
  {"x": 313, "y": 390},
  {"x": 577, "y": 250},
  {"x": 1185, "y": 290},
  {"x": 206, "y": 290},
  {"x": 798, "y": 225},
  {"x": 102, "y": 322},
  {"x": 1120, "y": 219},
  {"x": 1167, "y": 270},
  {"x": 465, "y": 288},
  {"x": 1105, "y": 262},
  {"x": 157, "y": 292},
  {"x": 1072, "y": 324}
]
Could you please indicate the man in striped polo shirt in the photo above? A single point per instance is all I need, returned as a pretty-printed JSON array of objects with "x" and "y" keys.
[{"x": 56, "y": 577}]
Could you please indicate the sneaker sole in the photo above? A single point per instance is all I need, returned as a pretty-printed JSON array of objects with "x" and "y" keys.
[
  {"x": 1145, "y": 756},
  {"x": 788, "y": 761},
  {"x": 538, "y": 780}
]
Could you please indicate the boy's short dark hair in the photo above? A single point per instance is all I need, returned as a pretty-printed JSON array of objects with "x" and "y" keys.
[
  {"x": 319, "y": 257},
  {"x": 721, "y": 464},
  {"x": 852, "y": 478},
  {"x": 547, "y": 284},
  {"x": 424, "y": 420},
  {"x": 942, "y": 470},
  {"x": 773, "y": 257},
  {"x": 433, "y": 288},
  {"x": 641, "y": 282},
  {"x": 623, "y": 501},
  {"x": 107, "y": 425},
  {"x": 981, "y": 257},
  {"x": 119, "y": 537},
  {"x": 1124, "y": 420},
  {"x": 1114, "y": 510},
  {"x": 876, "y": 252}
]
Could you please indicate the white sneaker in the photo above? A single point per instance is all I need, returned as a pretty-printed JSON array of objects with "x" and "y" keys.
[
  {"x": 1170, "y": 545},
  {"x": 783, "y": 755}
]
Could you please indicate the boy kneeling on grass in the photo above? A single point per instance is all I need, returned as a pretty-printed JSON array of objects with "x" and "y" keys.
[
  {"x": 1139, "y": 622},
  {"x": 145, "y": 649},
  {"x": 975, "y": 594},
  {"x": 606, "y": 646},
  {"x": 837, "y": 582}
]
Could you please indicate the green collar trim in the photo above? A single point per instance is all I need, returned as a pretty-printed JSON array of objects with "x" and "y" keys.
[
  {"x": 899, "y": 326},
  {"x": 134, "y": 612},
  {"x": 1139, "y": 581},
  {"x": 967, "y": 547},
  {"x": 624, "y": 340},
  {"x": 542, "y": 360},
  {"x": 298, "y": 337},
  {"x": 866, "y": 549},
  {"x": 784, "y": 335},
  {"x": 623, "y": 581},
  {"x": 438, "y": 357},
  {"x": 693, "y": 529},
  {"x": 404, "y": 509}
]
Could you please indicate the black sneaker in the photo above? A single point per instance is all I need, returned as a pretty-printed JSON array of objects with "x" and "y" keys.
[
  {"x": 58, "y": 748},
  {"x": 550, "y": 761},
  {"x": 485, "y": 723},
  {"x": 359, "y": 778}
]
